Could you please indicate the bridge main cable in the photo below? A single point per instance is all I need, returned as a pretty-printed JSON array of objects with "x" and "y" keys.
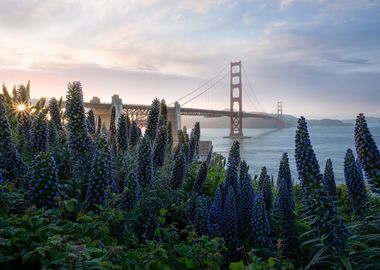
[
  {"x": 202, "y": 85},
  {"x": 207, "y": 89}
]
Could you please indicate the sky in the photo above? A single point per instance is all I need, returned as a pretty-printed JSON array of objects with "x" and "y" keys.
[{"x": 321, "y": 58}]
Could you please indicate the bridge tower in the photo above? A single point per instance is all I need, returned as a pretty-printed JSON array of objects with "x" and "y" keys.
[
  {"x": 236, "y": 117},
  {"x": 279, "y": 110}
]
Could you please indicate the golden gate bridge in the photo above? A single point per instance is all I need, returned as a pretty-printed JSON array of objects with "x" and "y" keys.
[{"x": 139, "y": 112}]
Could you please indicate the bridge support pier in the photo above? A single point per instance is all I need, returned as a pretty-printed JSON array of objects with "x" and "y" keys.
[{"x": 118, "y": 104}]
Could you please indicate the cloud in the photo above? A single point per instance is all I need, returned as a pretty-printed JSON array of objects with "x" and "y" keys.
[
  {"x": 291, "y": 48},
  {"x": 286, "y": 3}
]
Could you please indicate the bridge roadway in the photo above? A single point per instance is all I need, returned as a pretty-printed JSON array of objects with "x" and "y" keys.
[{"x": 143, "y": 109}]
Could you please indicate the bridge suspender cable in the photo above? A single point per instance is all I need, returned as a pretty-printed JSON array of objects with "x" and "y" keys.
[
  {"x": 251, "y": 88},
  {"x": 207, "y": 89},
  {"x": 202, "y": 85}
]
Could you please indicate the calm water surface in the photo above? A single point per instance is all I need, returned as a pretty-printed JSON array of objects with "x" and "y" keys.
[{"x": 266, "y": 146}]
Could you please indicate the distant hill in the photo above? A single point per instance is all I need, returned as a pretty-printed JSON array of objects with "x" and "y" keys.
[
  {"x": 370, "y": 120},
  {"x": 290, "y": 121}
]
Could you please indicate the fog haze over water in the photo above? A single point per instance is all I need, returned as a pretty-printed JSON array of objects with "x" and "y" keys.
[{"x": 266, "y": 146}]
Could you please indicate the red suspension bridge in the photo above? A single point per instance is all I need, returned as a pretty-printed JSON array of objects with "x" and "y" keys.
[{"x": 139, "y": 112}]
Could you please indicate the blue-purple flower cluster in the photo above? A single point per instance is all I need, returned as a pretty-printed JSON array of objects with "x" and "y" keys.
[
  {"x": 179, "y": 170},
  {"x": 287, "y": 218},
  {"x": 40, "y": 133},
  {"x": 55, "y": 113},
  {"x": 200, "y": 215},
  {"x": 79, "y": 141},
  {"x": 246, "y": 204},
  {"x": 131, "y": 193},
  {"x": 13, "y": 166},
  {"x": 153, "y": 119},
  {"x": 43, "y": 181},
  {"x": 201, "y": 178},
  {"x": 101, "y": 179},
  {"x": 122, "y": 133},
  {"x": 90, "y": 121},
  {"x": 265, "y": 187},
  {"x": 215, "y": 215},
  {"x": 144, "y": 169},
  {"x": 160, "y": 144},
  {"x": 134, "y": 134},
  {"x": 329, "y": 181},
  {"x": 319, "y": 205},
  {"x": 368, "y": 152},
  {"x": 355, "y": 185},
  {"x": 260, "y": 224}
]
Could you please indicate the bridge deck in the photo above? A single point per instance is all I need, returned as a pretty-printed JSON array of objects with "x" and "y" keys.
[{"x": 184, "y": 111}]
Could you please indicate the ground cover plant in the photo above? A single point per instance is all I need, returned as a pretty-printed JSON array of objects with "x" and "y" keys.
[{"x": 75, "y": 195}]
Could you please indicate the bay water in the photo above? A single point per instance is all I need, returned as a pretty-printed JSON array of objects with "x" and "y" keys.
[{"x": 265, "y": 147}]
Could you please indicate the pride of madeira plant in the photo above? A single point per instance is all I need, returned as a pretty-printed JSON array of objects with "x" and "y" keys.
[{"x": 73, "y": 196}]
